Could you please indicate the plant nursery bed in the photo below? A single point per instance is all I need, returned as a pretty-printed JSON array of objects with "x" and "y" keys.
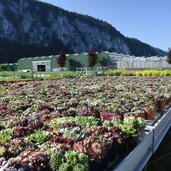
[
  {"x": 149, "y": 141},
  {"x": 82, "y": 124}
]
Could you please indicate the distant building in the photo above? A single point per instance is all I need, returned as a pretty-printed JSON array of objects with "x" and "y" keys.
[
  {"x": 49, "y": 63},
  {"x": 105, "y": 59}
]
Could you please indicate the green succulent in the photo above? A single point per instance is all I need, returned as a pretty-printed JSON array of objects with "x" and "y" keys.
[
  {"x": 80, "y": 167},
  {"x": 56, "y": 122},
  {"x": 141, "y": 123},
  {"x": 129, "y": 130},
  {"x": 130, "y": 120},
  {"x": 56, "y": 160},
  {"x": 2, "y": 151},
  {"x": 137, "y": 123},
  {"x": 39, "y": 137},
  {"x": 74, "y": 157},
  {"x": 72, "y": 132},
  {"x": 113, "y": 122},
  {"x": 87, "y": 121},
  {"x": 5, "y": 136},
  {"x": 65, "y": 167}
]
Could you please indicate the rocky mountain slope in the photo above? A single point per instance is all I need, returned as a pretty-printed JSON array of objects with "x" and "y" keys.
[{"x": 32, "y": 28}]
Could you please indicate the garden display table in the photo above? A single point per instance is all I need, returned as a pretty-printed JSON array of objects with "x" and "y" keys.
[{"x": 149, "y": 142}]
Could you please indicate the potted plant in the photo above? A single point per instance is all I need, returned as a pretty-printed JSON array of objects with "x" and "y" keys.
[
  {"x": 161, "y": 102},
  {"x": 150, "y": 109}
]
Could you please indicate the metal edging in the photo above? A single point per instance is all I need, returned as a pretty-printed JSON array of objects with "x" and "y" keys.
[
  {"x": 161, "y": 129},
  {"x": 139, "y": 157}
]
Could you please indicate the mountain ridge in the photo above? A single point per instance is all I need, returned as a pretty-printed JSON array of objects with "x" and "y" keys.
[{"x": 34, "y": 28}]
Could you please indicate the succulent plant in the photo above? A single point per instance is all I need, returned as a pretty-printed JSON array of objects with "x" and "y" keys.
[
  {"x": 137, "y": 123},
  {"x": 28, "y": 107},
  {"x": 93, "y": 148},
  {"x": 113, "y": 122},
  {"x": 2, "y": 151},
  {"x": 39, "y": 137},
  {"x": 73, "y": 132},
  {"x": 56, "y": 160},
  {"x": 33, "y": 159},
  {"x": 74, "y": 157},
  {"x": 80, "y": 167},
  {"x": 20, "y": 131},
  {"x": 129, "y": 131},
  {"x": 65, "y": 167},
  {"x": 5, "y": 136}
]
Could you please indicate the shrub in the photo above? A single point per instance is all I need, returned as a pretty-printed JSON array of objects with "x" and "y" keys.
[{"x": 3, "y": 67}]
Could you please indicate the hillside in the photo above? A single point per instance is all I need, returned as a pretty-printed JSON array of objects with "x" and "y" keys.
[{"x": 32, "y": 28}]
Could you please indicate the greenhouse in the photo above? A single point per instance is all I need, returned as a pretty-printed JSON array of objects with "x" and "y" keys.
[
  {"x": 121, "y": 61},
  {"x": 49, "y": 63},
  {"x": 105, "y": 59}
]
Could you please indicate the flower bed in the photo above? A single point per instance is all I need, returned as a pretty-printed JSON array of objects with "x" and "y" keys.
[{"x": 76, "y": 124}]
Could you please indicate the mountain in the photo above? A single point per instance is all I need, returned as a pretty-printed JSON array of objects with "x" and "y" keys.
[{"x": 33, "y": 28}]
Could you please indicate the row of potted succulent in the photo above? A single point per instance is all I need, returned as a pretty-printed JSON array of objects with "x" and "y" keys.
[
  {"x": 97, "y": 142},
  {"x": 98, "y": 118}
]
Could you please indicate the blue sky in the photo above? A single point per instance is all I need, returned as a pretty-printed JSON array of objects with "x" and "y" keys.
[{"x": 146, "y": 20}]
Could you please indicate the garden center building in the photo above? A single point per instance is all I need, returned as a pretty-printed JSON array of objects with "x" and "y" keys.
[
  {"x": 49, "y": 63},
  {"x": 105, "y": 59}
]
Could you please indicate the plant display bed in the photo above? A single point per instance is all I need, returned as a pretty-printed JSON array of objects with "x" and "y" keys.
[
  {"x": 81, "y": 124},
  {"x": 148, "y": 144}
]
